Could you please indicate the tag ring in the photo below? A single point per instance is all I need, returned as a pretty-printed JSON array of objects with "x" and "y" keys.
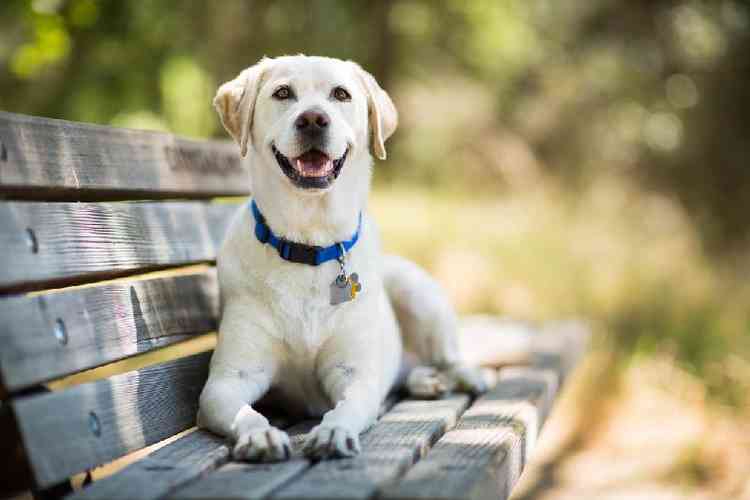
[{"x": 342, "y": 259}]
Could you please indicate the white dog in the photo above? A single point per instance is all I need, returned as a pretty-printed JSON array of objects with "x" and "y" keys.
[{"x": 310, "y": 306}]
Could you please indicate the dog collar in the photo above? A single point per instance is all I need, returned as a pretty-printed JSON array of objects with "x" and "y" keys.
[{"x": 298, "y": 252}]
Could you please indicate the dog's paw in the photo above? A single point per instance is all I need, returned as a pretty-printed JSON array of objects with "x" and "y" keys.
[
  {"x": 427, "y": 382},
  {"x": 469, "y": 379},
  {"x": 267, "y": 444},
  {"x": 326, "y": 441}
]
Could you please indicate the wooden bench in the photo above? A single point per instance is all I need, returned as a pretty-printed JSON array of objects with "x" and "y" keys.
[{"x": 88, "y": 214}]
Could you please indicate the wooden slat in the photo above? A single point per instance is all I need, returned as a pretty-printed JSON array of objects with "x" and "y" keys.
[
  {"x": 64, "y": 243},
  {"x": 397, "y": 440},
  {"x": 483, "y": 457},
  {"x": 49, "y": 159},
  {"x": 87, "y": 425},
  {"x": 52, "y": 335},
  {"x": 161, "y": 472},
  {"x": 242, "y": 481}
]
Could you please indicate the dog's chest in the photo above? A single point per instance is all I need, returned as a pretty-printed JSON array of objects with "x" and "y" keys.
[
  {"x": 300, "y": 302},
  {"x": 305, "y": 320}
]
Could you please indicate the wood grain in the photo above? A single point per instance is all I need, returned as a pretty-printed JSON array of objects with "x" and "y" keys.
[
  {"x": 61, "y": 160},
  {"x": 242, "y": 481},
  {"x": 401, "y": 437},
  {"x": 43, "y": 244},
  {"x": 484, "y": 455},
  {"x": 52, "y": 335},
  {"x": 87, "y": 425},
  {"x": 163, "y": 471}
]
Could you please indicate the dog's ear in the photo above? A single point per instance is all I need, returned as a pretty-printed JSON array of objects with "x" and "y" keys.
[
  {"x": 235, "y": 103},
  {"x": 383, "y": 117}
]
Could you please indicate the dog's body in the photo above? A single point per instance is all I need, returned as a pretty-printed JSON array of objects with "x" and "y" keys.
[{"x": 308, "y": 124}]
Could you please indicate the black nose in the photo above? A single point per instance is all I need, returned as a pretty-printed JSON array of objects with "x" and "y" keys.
[{"x": 312, "y": 120}]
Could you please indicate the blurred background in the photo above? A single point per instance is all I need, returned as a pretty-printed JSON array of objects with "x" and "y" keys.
[{"x": 555, "y": 159}]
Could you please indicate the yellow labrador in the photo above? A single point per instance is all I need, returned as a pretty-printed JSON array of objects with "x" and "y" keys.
[{"x": 310, "y": 306}]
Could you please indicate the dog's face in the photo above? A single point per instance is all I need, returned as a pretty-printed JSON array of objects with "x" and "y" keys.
[{"x": 306, "y": 116}]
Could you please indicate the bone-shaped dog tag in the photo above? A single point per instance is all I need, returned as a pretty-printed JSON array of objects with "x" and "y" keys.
[{"x": 345, "y": 288}]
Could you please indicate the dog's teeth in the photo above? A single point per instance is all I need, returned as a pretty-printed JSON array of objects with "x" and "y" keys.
[{"x": 313, "y": 169}]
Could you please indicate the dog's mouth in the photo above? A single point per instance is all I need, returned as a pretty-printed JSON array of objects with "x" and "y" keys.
[{"x": 312, "y": 169}]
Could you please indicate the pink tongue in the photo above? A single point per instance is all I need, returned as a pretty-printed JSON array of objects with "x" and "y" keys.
[{"x": 314, "y": 163}]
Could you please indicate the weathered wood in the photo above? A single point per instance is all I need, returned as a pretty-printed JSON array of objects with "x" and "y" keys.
[
  {"x": 65, "y": 243},
  {"x": 52, "y": 335},
  {"x": 87, "y": 425},
  {"x": 484, "y": 455},
  {"x": 401, "y": 437},
  {"x": 60, "y": 160},
  {"x": 242, "y": 481},
  {"x": 402, "y": 434},
  {"x": 161, "y": 472}
]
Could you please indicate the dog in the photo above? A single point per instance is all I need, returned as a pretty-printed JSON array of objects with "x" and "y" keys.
[{"x": 312, "y": 312}]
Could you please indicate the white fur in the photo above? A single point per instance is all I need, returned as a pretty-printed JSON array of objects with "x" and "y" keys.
[{"x": 278, "y": 330}]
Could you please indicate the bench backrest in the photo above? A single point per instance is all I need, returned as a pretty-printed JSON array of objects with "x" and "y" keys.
[{"x": 73, "y": 213}]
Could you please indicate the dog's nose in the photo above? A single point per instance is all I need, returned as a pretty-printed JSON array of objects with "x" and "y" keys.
[{"x": 312, "y": 120}]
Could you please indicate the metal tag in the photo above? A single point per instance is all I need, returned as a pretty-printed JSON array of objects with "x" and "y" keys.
[{"x": 345, "y": 288}]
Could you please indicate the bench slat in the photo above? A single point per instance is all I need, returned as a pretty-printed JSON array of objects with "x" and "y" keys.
[
  {"x": 162, "y": 471},
  {"x": 52, "y": 335},
  {"x": 43, "y": 244},
  {"x": 398, "y": 439},
  {"x": 79, "y": 428},
  {"x": 242, "y": 481},
  {"x": 61, "y": 160}
]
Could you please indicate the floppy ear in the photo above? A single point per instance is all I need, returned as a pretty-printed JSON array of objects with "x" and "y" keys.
[
  {"x": 383, "y": 117},
  {"x": 235, "y": 103}
]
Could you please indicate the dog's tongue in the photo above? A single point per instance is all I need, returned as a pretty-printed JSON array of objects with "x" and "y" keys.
[{"x": 313, "y": 164}]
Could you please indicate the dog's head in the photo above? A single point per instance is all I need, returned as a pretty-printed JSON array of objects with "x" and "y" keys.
[{"x": 307, "y": 116}]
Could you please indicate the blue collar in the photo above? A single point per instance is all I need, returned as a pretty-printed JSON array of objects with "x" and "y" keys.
[{"x": 298, "y": 252}]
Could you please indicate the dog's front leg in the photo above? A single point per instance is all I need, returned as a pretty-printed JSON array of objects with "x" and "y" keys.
[
  {"x": 355, "y": 388},
  {"x": 240, "y": 375}
]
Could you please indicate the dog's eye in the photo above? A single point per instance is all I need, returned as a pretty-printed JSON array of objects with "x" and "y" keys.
[
  {"x": 282, "y": 93},
  {"x": 341, "y": 94}
]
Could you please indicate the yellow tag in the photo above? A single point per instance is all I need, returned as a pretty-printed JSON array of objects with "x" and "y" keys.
[{"x": 354, "y": 285}]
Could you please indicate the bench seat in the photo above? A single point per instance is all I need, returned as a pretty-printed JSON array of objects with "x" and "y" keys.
[{"x": 109, "y": 300}]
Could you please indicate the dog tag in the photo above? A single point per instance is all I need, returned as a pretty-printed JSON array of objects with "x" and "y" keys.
[
  {"x": 345, "y": 288},
  {"x": 354, "y": 285}
]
